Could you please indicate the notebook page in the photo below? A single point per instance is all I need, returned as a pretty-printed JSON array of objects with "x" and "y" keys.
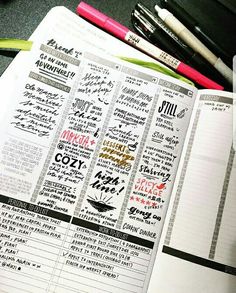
[
  {"x": 82, "y": 210},
  {"x": 198, "y": 253},
  {"x": 204, "y": 179}
]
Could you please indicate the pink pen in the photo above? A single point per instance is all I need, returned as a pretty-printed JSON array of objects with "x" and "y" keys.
[{"x": 123, "y": 33}]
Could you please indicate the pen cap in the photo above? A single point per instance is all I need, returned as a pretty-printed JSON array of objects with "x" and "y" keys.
[{"x": 101, "y": 20}]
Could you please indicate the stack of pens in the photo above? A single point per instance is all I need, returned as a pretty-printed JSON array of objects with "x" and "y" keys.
[
  {"x": 149, "y": 26},
  {"x": 166, "y": 32}
]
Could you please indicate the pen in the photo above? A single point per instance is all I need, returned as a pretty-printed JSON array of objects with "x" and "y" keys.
[
  {"x": 156, "y": 35},
  {"x": 192, "y": 24},
  {"x": 193, "y": 42},
  {"x": 133, "y": 39},
  {"x": 155, "y": 30}
]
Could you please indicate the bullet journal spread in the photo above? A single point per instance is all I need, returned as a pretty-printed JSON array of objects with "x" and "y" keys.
[{"x": 113, "y": 177}]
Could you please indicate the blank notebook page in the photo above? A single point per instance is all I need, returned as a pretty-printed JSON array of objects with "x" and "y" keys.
[{"x": 203, "y": 219}]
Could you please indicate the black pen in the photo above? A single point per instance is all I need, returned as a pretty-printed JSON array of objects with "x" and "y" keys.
[
  {"x": 194, "y": 26},
  {"x": 155, "y": 35},
  {"x": 155, "y": 30}
]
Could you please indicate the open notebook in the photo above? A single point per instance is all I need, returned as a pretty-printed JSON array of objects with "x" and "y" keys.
[{"x": 96, "y": 156}]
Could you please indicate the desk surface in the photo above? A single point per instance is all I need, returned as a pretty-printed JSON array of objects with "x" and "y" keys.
[{"x": 19, "y": 18}]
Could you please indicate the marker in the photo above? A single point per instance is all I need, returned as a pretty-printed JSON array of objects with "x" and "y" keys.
[
  {"x": 156, "y": 31},
  {"x": 194, "y": 26},
  {"x": 174, "y": 24},
  {"x": 133, "y": 39}
]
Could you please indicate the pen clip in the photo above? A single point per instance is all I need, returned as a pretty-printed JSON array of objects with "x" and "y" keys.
[
  {"x": 148, "y": 15},
  {"x": 157, "y": 22},
  {"x": 141, "y": 24}
]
